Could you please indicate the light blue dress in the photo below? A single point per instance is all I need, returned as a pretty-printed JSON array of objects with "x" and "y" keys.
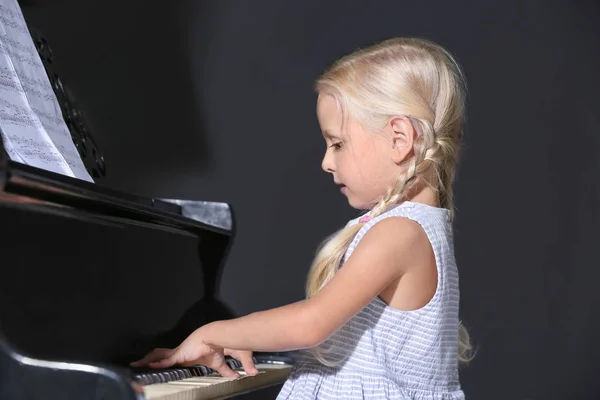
[{"x": 389, "y": 353}]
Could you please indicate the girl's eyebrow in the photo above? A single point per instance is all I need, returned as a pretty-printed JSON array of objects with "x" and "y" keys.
[{"x": 329, "y": 135}]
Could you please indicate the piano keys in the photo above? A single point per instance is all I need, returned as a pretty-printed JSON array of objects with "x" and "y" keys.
[{"x": 196, "y": 383}]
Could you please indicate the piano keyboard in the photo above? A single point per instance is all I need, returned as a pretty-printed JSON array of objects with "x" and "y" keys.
[{"x": 201, "y": 383}]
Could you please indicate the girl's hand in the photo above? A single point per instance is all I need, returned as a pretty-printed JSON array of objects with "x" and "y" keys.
[{"x": 194, "y": 351}]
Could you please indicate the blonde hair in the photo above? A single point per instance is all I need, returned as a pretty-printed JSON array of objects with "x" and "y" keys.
[{"x": 404, "y": 76}]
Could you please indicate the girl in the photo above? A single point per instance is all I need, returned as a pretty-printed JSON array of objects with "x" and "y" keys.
[{"x": 381, "y": 316}]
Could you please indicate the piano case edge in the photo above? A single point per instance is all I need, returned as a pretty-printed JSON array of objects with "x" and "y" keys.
[{"x": 27, "y": 378}]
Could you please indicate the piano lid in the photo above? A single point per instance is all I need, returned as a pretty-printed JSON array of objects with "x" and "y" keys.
[{"x": 20, "y": 183}]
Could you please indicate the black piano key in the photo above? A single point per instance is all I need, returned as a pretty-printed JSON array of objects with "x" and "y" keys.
[
  {"x": 206, "y": 370},
  {"x": 234, "y": 364},
  {"x": 178, "y": 374},
  {"x": 200, "y": 370}
]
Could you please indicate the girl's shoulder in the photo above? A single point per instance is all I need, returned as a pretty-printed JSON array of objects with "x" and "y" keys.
[
  {"x": 420, "y": 212},
  {"x": 434, "y": 221}
]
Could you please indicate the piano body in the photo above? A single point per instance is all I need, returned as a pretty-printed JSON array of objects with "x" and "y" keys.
[{"x": 94, "y": 278}]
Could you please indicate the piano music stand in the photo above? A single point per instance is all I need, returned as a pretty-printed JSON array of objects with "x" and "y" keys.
[{"x": 74, "y": 119}]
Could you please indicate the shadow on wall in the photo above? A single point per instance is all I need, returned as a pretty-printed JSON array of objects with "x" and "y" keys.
[
  {"x": 148, "y": 125},
  {"x": 320, "y": 216}
]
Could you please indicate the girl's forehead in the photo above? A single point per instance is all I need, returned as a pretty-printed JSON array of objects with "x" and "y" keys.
[
  {"x": 329, "y": 116},
  {"x": 328, "y": 107}
]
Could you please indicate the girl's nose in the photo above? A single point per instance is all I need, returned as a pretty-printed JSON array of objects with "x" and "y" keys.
[{"x": 327, "y": 163}]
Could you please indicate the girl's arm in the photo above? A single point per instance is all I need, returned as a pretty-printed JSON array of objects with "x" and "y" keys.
[{"x": 381, "y": 257}]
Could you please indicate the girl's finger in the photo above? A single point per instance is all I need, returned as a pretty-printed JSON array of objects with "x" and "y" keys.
[
  {"x": 165, "y": 362},
  {"x": 225, "y": 371},
  {"x": 153, "y": 356},
  {"x": 248, "y": 363}
]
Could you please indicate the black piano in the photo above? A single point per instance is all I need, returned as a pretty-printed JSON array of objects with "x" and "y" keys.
[{"x": 93, "y": 279}]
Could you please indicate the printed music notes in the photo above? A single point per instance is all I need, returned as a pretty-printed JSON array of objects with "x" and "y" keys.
[{"x": 31, "y": 122}]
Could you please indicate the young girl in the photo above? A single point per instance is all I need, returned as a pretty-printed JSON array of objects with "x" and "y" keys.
[{"x": 381, "y": 316}]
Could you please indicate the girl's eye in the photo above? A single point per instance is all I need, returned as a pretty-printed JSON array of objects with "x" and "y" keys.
[{"x": 337, "y": 145}]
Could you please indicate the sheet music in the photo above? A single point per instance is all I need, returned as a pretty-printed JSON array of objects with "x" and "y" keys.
[{"x": 31, "y": 122}]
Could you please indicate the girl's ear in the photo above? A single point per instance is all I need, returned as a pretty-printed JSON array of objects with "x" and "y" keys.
[{"x": 403, "y": 136}]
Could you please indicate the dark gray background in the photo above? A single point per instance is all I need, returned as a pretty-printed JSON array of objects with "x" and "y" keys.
[{"x": 214, "y": 101}]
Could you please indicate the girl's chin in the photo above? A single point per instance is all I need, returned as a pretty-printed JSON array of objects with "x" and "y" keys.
[{"x": 358, "y": 205}]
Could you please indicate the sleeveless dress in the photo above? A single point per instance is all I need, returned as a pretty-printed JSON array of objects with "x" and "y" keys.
[{"x": 388, "y": 353}]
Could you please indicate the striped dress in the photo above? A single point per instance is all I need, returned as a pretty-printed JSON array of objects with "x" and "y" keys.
[{"x": 387, "y": 353}]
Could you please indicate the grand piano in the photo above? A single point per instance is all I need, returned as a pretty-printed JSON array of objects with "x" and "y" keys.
[{"x": 94, "y": 278}]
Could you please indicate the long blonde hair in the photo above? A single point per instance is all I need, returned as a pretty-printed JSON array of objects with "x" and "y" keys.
[{"x": 403, "y": 76}]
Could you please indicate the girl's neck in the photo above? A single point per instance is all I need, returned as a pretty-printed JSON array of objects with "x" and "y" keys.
[
  {"x": 426, "y": 196},
  {"x": 421, "y": 192}
]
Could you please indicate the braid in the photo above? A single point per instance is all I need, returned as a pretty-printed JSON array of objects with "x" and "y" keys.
[{"x": 443, "y": 155}]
